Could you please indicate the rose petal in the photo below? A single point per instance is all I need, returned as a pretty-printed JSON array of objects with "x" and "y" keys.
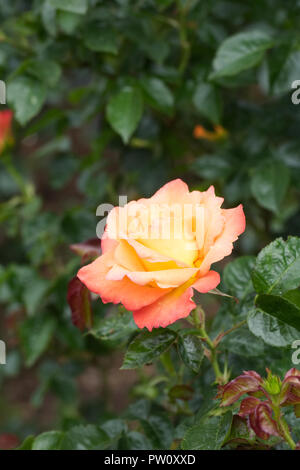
[
  {"x": 166, "y": 310},
  {"x": 132, "y": 296},
  {"x": 164, "y": 279},
  {"x": 208, "y": 282},
  {"x": 223, "y": 245}
]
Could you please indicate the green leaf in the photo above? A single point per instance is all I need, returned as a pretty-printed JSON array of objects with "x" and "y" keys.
[
  {"x": 208, "y": 102},
  {"x": 101, "y": 40},
  {"x": 209, "y": 434},
  {"x": 243, "y": 343},
  {"x": 74, "y": 6},
  {"x": 147, "y": 346},
  {"x": 26, "y": 96},
  {"x": 159, "y": 430},
  {"x": 240, "y": 52},
  {"x": 237, "y": 276},
  {"x": 212, "y": 167},
  {"x": 124, "y": 111},
  {"x": 280, "y": 70},
  {"x": 281, "y": 308},
  {"x": 269, "y": 184},
  {"x": 47, "y": 71},
  {"x": 26, "y": 444},
  {"x": 114, "y": 428},
  {"x": 191, "y": 350},
  {"x": 277, "y": 268},
  {"x": 35, "y": 335},
  {"x": 240, "y": 433},
  {"x": 50, "y": 440},
  {"x": 89, "y": 437},
  {"x": 271, "y": 330},
  {"x": 134, "y": 440},
  {"x": 158, "y": 94},
  {"x": 68, "y": 22},
  {"x": 115, "y": 329}
]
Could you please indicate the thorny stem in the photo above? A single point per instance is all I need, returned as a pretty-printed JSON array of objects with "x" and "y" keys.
[
  {"x": 283, "y": 427},
  {"x": 198, "y": 317},
  {"x": 286, "y": 433}
]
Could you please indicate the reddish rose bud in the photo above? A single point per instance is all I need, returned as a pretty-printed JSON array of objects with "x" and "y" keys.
[
  {"x": 253, "y": 374},
  {"x": 262, "y": 422},
  {"x": 88, "y": 250},
  {"x": 249, "y": 382},
  {"x": 290, "y": 392},
  {"x": 79, "y": 300},
  {"x": 248, "y": 406},
  {"x": 5, "y": 127}
]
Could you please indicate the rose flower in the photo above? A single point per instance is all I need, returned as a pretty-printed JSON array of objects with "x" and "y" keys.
[
  {"x": 5, "y": 127},
  {"x": 156, "y": 251}
]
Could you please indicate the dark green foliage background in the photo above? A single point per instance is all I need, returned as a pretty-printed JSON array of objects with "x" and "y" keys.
[{"x": 106, "y": 96}]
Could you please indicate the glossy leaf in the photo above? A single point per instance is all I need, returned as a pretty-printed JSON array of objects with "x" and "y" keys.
[
  {"x": 74, "y": 6},
  {"x": 209, "y": 434},
  {"x": 159, "y": 430},
  {"x": 99, "y": 39},
  {"x": 269, "y": 184},
  {"x": 237, "y": 276},
  {"x": 47, "y": 71},
  {"x": 243, "y": 343},
  {"x": 281, "y": 308},
  {"x": 26, "y": 95},
  {"x": 115, "y": 329},
  {"x": 191, "y": 350},
  {"x": 158, "y": 94},
  {"x": 50, "y": 440},
  {"x": 124, "y": 111},
  {"x": 208, "y": 102},
  {"x": 271, "y": 330},
  {"x": 277, "y": 268},
  {"x": 89, "y": 437},
  {"x": 240, "y": 52},
  {"x": 35, "y": 336},
  {"x": 148, "y": 346}
]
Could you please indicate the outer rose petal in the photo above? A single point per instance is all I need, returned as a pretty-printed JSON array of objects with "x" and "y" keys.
[
  {"x": 172, "y": 192},
  {"x": 208, "y": 282},
  {"x": 166, "y": 310},
  {"x": 262, "y": 422},
  {"x": 129, "y": 294},
  {"x": 174, "y": 305},
  {"x": 107, "y": 244},
  {"x": 234, "y": 225}
]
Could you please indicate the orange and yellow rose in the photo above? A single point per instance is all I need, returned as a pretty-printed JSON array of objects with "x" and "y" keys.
[{"x": 156, "y": 251}]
